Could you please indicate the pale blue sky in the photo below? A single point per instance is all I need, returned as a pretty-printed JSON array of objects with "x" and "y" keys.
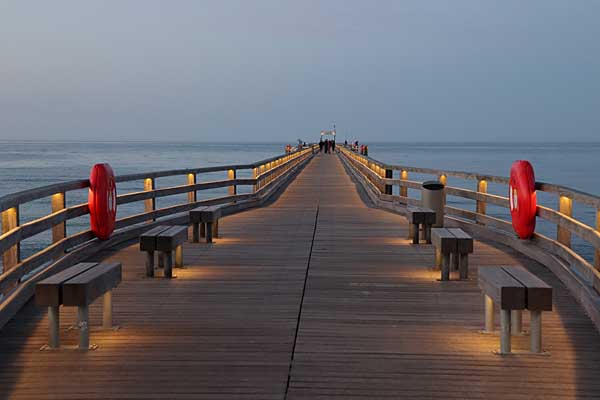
[{"x": 451, "y": 70}]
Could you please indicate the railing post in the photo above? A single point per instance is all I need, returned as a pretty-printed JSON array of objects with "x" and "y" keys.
[
  {"x": 597, "y": 257},
  {"x": 565, "y": 206},
  {"x": 12, "y": 256},
  {"x": 149, "y": 204},
  {"x": 59, "y": 231},
  {"x": 404, "y": 177},
  {"x": 443, "y": 179},
  {"x": 193, "y": 195},
  {"x": 254, "y": 176},
  {"x": 261, "y": 182},
  {"x": 389, "y": 175},
  {"x": 481, "y": 206},
  {"x": 231, "y": 175}
]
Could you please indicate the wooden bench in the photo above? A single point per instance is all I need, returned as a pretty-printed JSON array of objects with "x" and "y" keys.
[
  {"x": 418, "y": 216},
  {"x": 205, "y": 222},
  {"x": 78, "y": 286},
  {"x": 455, "y": 243},
  {"x": 514, "y": 289},
  {"x": 165, "y": 240}
]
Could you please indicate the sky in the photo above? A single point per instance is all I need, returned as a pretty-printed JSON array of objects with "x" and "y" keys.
[{"x": 273, "y": 70}]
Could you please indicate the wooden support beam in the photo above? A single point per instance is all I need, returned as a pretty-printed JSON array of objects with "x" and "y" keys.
[
  {"x": 389, "y": 174},
  {"x": 254, "y": 175},
  {"x": 565, "y": 206},
  {"x": 443, "y": 179},
  {"x": 597, "y": 257},
  {"x": 231, "y": 175},
  {"x": 481, "y": 188},
  {"x": 261, "y": 170},
  {"x": 404, "y": 189},
  {"x": 192, "y": 196},
  {"x": 12, "y": 256},
  {"x": 149, "y": 204},
  {"x": 59, "y": 231}
]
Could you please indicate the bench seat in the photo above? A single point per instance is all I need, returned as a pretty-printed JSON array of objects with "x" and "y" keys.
[
  {"x": 205, "y": 222},
  {"x": 78, "y": 286},
  {"x": 452, "y": 245},
  {"x": 165, "y": 240},
  {"x": 514, "y": 289}
]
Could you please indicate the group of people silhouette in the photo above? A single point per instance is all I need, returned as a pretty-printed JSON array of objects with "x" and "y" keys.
[{"x": 328, "y": 146}]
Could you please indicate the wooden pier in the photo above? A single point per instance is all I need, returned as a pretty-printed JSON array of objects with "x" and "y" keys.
[{"x": 318, "y": 294}]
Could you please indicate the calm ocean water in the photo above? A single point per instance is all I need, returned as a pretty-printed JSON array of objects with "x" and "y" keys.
[{"x": 25, "y": 165}]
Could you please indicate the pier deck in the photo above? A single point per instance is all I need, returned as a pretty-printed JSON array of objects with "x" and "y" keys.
[{"x": 315, "y": 296}]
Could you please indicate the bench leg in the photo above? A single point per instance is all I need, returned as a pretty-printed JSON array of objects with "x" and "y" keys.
[
  {"x": 107, "y": 310},
  {"x": 427, "y": 233},
  {"x": 161, "y": 259},
  {"x": 196, "y": 232},
  {"x": 455, "y": 261},
  {"x": 446, "y": 267},
  {"x": 489, "y": 313},
  {"x": 464, "y": 265},
  {"x": 535, "y": 332},
  {"x": 438, "y": 257},
  {"x": 203, "y": 229},
  {"x": 209, "y": 232},
  {"x": 54, "y": 327},
  {"x": 516, "y": 322},
  {"x": 415, "y": 233},
  {"x": 505, "y": 346},
  {"x": 150, "y": 264},
  {"x": 216, "y": 229},
  {"x": 168, "y": 264},
  {"x": 84, "y": 333},
  {"x": 179, "y": 256}
]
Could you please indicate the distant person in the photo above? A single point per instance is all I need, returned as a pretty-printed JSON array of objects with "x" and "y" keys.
[
  {"x": 333, "y": 146},
  {"x": 345, "y": 143},
  {"x": 321, "y": 144}
]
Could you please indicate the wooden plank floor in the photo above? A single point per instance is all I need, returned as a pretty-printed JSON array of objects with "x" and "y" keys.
[{"x": 317, "y": 296}]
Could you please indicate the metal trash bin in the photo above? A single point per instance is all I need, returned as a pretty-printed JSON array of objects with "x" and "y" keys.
[{"x": 433, "y": 196}]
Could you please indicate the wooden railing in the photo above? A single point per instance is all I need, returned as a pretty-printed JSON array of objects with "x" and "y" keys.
[
  {"x": 576, "y": 272},
  {"x": 18, "y": 275}
]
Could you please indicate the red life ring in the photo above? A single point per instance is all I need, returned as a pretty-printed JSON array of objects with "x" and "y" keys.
[
  {"x": 102, "y": 201},
  {"x": 522, "y": 197}
]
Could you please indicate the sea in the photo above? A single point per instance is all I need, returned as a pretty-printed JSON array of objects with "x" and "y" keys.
[{"x": 29, "y": 164}]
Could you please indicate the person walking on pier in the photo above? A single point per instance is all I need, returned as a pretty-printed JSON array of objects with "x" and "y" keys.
[
  {"x": 321, "y": 143},
  {"x": 333, "y": 146}
]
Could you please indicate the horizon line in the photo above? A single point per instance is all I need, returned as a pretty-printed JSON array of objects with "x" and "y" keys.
[{"x": 295, "y": 141}]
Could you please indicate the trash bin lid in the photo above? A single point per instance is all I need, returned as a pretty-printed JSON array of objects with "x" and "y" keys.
[{"x": 433, "y": 185}]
